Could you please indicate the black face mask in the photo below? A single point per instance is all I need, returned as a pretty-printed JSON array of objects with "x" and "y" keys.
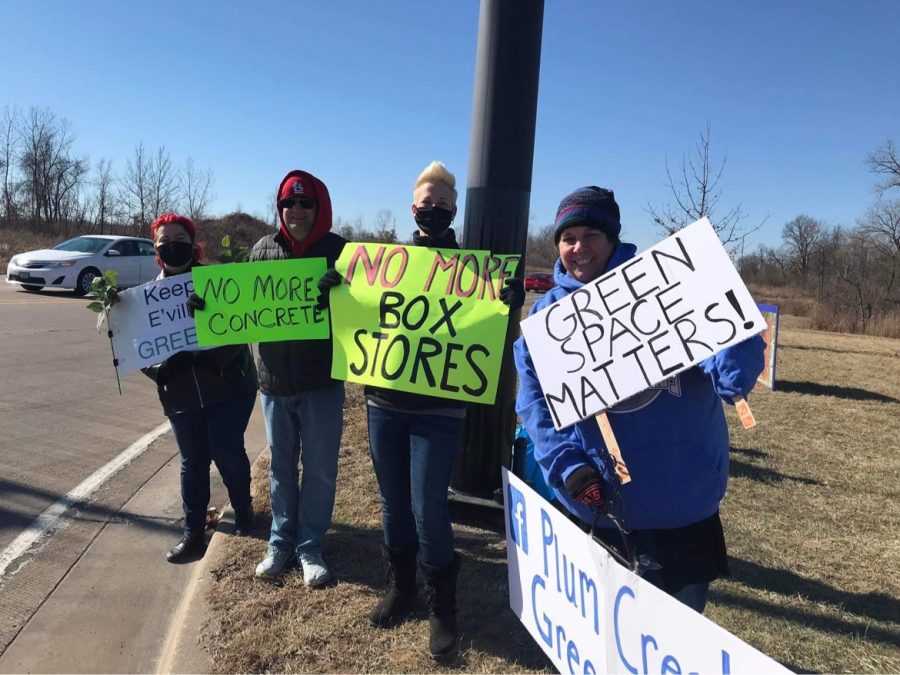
[
  {"x": 433, "y": 220},
  {"x": 176, "y": 253}
]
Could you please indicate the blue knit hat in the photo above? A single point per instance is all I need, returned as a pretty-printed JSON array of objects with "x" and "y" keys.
[{"x": 590, "y": 206}]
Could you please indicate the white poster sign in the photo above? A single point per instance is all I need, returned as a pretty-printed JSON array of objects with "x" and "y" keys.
[
  {"x": 592, "y": 615},
  {"x": 649, "y": 319},
  {"x": 149, "y": 323}
]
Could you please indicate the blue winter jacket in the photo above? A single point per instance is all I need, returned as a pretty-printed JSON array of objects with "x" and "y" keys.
[{"x": 673, "y": 437}]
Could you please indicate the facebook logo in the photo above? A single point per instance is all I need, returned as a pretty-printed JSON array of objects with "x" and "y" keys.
[{"x": 516, "y": 514}]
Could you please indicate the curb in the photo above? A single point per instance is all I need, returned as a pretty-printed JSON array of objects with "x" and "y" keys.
[{"x": 181, "y": 651}]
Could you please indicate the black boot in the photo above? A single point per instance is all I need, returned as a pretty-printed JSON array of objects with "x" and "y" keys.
[
  {"x": 190, "y": 547},
  {"x": 401, "y": 594},
  {"x": 244, "y": 522},
  {"x": 440, "y": 583}
]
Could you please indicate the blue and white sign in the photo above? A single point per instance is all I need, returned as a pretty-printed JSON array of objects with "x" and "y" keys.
[
  {"x": 591, "y": 615},
  {"x": 149, "y": 323}
]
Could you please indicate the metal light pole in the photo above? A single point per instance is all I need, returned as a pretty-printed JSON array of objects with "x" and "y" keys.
[{"x": 501, "y": 154}]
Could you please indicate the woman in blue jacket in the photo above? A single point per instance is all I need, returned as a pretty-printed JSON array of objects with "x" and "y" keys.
[{"x": 673, "y": 436}]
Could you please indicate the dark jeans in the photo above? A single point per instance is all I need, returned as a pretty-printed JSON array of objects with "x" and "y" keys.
[
  {"x": 214, "y": 434},
  {"x": 413, "y": 456}
]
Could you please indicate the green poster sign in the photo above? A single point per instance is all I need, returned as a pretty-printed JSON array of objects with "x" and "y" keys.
[
  {"x": 268, "y": 301},
  {"x": 422, "y": 320}
]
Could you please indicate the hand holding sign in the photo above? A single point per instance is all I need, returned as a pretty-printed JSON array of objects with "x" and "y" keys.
[{"x": 329, "y": 280}]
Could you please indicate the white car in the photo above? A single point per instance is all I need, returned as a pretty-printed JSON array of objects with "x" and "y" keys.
[{"x": 74, "y": 263}]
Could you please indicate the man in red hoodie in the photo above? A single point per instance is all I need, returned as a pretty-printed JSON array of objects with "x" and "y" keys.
[{"x": 302, "y": 404}]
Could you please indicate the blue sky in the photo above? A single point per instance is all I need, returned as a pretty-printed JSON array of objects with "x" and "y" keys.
[{"x": 365, "y": 94}]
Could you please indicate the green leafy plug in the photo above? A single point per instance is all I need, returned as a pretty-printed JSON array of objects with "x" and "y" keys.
[
  {"x": 105, "y": 289},
  {"x": 230, "y": 254}
]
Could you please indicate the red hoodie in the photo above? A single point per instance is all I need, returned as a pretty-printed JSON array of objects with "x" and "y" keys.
[{"x": 301, "y": 184}]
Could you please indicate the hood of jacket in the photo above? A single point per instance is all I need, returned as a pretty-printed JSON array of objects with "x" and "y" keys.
[{"x": 323, "y": 213}]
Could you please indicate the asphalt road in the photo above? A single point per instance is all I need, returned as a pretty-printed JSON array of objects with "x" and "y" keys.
[
  {"x": 61, "y": 415},
  {"x": 86, "y": 596}
]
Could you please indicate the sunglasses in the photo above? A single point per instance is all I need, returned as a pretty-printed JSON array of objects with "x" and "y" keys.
[{"x": 304, "y": 203}]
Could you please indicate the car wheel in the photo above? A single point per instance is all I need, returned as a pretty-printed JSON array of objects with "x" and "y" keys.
[
  {"x": 85, "y": 279},
  {"x": 32, "y": 288}
]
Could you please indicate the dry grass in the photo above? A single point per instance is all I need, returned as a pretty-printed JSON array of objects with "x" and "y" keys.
[
  {"x": 262, "y": 627},
  {"x": 19, "y": 241},
  {"x": 812, "y": 516},
  {"x": 812, "y": 512}
]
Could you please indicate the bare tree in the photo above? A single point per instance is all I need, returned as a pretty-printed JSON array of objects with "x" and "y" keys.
[
  {"x": 149, "y": 186},
  {"x": 540, "y": 249},
  {"x": 882, "y": 222},
  {"x": 800, "y": 237},
  {"x": 163, "y": 183},
  {"x": 859, "y": 269},
  {"x": 105, "y": 207},
  {"x": 135, "y": 189},
  {"x": 697, "y": 193},
  {"x": 196, "y": 190},
  {"x": 275, "y": 216},
  {"x": 882, "y": 226},
  {"x": 53, "y": 175},
  {"x": 385, "y": 227},
  {"x": 9, "y": 149},
  {"x": 886, "y": 162}
]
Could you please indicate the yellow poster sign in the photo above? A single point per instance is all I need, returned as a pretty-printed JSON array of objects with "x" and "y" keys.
[{"x": 421, "y": 320}]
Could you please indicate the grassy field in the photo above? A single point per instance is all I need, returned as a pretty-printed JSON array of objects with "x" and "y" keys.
[{"x": 812, "y": 518}]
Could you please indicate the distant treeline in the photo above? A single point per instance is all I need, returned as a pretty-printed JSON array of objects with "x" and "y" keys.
[
  {"x": 846, "y": 276},
  {"x": 50, "y": 189}
]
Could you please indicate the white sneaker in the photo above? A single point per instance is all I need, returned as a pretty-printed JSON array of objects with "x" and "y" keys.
[
  {"x": 274, "y": 565},
  {"x": 315, "y": 571}
]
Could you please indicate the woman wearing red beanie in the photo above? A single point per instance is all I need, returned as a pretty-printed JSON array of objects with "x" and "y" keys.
[{"x": 208, "y": 397}]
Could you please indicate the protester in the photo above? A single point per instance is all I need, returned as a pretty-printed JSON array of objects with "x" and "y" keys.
[
  {"x": 208, "y": 397},
  {"x": 413, "y": 441},
  {"x": 673, "y": 437},
  {"x": 303, "y": 406}
]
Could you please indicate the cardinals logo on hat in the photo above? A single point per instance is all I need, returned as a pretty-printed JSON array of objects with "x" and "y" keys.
[{"x": 297, "y": 188}]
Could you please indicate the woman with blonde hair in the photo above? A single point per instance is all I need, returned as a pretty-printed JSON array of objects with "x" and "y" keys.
[{"x": 413, "y": 440}]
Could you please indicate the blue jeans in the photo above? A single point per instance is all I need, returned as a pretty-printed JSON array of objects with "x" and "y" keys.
[
  {"x": 303, "y": 429},
  {"x": 693, "y": 595},
  {"x": 214, "y": 434},
  {"x": 413, "y": 456}
]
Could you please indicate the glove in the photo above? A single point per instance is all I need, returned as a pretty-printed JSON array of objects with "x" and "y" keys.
[
  {"x": 194, "y": 303},
  {"x": 329, "y": 280},
  {"x": 172, "y": 366},
  {"x": 585, "y": 486},
  {"x": 513, "y": 293}
]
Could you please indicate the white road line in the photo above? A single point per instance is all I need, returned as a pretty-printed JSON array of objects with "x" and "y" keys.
[{"x": 51, "y": 518}]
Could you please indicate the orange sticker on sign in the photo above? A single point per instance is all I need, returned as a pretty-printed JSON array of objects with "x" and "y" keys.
[{"x": 744, "y": 412}]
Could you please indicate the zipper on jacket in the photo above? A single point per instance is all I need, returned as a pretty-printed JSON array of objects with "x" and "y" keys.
[{"x": 197, "y": 384}]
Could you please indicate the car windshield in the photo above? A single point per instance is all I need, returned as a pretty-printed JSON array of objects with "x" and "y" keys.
[{"x": 82, "y": 245}]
